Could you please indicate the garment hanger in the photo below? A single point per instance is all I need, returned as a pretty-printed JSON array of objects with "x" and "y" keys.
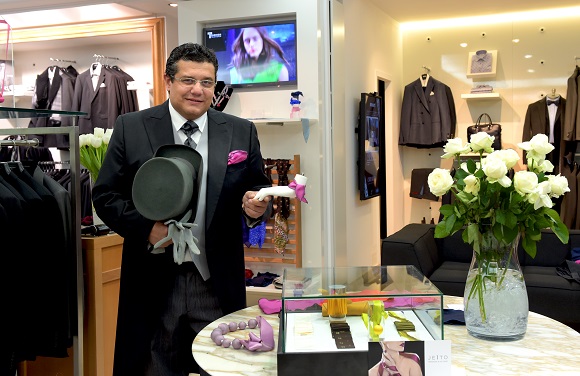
[{"x": 425, "y": 76}]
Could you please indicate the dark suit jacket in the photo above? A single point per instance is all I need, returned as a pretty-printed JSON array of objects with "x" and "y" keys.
[
  {"x": 572, "y": 116},
  {"x": 92, "y": 101},
  {"x": 537, "y": 121},
  {"x": 144, "y": 276},
  {"x": 428, "y": 116}
]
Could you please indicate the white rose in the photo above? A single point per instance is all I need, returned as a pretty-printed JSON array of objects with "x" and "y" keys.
[
  {"x": 481, "y": 141},
  {"x": 453, "y": 147},
  {"x": 539, "y": 197},
  {"x": 525, "y": 182},
  {"x": 539, "y": 145},
  {"x": 494, "y": 168},
  {"x": 440, "y": 181},
  {"x": 99, "y": 132},
  {"x": 509, "y": 156},
  {"x": 545, "y": 166},
  {"x": 471, "y": 185},
  {"x": 558, "y": 185}
]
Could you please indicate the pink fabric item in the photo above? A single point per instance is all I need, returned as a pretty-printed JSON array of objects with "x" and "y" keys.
[
  {"x": 237, "y": 156},
  {"x": 300, "y": 190},
  {"x": 272, "y": 306}
]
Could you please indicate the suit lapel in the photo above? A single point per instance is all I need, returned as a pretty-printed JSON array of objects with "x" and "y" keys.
[
  {"x": 422, "y": 92},
  {"x": 219, "y": 140},
  {"x": 159, "y": 128}
]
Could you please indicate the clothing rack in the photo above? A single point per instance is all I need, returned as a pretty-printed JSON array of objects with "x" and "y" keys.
[
  {"x": 64, "y": 61},
  {"x": 99, "y": 57},
  {"x": 34, "y": 142},
  {"x": 73, "y": 135}
]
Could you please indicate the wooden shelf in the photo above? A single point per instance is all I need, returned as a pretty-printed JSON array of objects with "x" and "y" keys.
[{"x": 482, "y": 96}]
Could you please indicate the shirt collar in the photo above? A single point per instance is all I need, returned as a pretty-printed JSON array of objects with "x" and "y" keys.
[{"x": 177, "y": 120}]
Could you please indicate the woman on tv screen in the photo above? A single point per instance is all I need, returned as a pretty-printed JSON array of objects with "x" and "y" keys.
[{"x": 257, "y": 58}]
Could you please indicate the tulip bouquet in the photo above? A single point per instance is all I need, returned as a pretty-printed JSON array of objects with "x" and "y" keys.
[
  {"x": 93, "y": 147},
  {"x": 486, "y": 197}
]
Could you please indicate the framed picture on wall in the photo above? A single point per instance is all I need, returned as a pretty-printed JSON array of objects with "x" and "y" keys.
[{"x": 482, "y": 63}]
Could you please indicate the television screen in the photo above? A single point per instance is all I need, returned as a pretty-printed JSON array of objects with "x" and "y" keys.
[
  {"x": 369, "y": 137},
  {"x": 254, "y": 54}
]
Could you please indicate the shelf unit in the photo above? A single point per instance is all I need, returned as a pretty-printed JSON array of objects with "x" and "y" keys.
[
  {"x": 482, "y": 96},
  {"x": 279, "y": 121}
]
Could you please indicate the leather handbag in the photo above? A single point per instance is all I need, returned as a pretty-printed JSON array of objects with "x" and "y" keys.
[{"x": 491, "y": 128}]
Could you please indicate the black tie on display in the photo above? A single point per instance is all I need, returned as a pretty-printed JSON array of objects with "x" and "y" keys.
[{"x": 189, "y": 128}]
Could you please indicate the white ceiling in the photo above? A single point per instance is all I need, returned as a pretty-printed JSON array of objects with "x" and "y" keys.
[{"x": 401, "y": 11}]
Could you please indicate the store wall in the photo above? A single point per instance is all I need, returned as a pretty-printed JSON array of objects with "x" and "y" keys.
[
  {"x": 519, "y": 80},
  {"x": 372, "y": 51}
]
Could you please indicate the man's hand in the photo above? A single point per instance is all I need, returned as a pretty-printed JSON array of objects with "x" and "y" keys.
[
  {"x": 158, "y": 232},
  {"x": 253, "y": 207}
]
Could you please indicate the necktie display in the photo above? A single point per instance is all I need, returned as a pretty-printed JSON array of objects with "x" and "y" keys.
[{"x": 189, "y": 128}]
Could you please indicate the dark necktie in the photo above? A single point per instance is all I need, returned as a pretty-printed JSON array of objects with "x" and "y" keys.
[{"x": 189, "y": 128}]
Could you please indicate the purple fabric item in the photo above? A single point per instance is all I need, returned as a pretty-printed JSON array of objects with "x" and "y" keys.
[
  {"x": 266, "y": 340},
  {"x": 253, "y": 236}
]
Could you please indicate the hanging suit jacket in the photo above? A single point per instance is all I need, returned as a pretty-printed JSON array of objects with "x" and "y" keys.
[
  {"x": 537, "y": 121},
  {"x": 428, "y": 117},
  {"x": 572, "y": 116},
  {"x": 56, "y": 95}
]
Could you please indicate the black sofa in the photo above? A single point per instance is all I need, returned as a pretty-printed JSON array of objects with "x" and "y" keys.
[{"x": 446, "y": 262}]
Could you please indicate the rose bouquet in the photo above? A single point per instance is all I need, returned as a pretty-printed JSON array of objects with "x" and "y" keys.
[
  {"x": 487, "y": 198},
  {"x": 92, "y": 149}
]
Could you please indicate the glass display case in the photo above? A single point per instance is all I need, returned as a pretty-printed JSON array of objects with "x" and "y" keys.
[
  {"x": 372, "y": 300},
  {"x": 333, "y": 314}
]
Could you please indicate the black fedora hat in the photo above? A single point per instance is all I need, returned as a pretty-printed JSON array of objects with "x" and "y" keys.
[{"x": 167, "y": 186}]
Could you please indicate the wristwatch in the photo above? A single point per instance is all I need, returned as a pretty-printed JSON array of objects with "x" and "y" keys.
[{"x": 341, "y": 334}]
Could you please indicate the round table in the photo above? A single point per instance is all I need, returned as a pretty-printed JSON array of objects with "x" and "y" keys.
[{"x": 548, "y": 348}]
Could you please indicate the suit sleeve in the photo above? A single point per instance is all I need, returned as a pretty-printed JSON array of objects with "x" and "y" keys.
[{"x": 112, "y": 192}]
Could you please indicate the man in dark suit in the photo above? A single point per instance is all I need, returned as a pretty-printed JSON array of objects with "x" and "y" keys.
[{"x": 162, "y": 305}]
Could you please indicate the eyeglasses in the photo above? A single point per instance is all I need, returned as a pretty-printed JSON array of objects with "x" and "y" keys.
[{"x": 191, "y": 82}]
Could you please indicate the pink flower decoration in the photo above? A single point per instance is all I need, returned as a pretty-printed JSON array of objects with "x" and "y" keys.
[{"x": 237, "y": 156}]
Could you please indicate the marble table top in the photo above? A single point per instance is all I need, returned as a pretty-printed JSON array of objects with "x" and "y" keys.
[{"x": 548, "y": 348}]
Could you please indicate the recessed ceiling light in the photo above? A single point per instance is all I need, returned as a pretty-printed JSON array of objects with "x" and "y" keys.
[
  {"x": 531, "y": 71},
  {"x": 516, "y": 40},
  {"x": 463, "y": 45},
  {"x": 174, "y": 5},
  {"x": 528, "y": 56}
]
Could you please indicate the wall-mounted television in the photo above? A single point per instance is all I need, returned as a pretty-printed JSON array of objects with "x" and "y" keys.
[
  {"x": 254, "y": 54},
  {"x": 369, "y": 145}
]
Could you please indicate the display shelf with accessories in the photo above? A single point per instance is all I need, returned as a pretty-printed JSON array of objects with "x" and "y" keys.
[
  {"x": 279, "y": 245},
  {"x": 373, "y": 304}
]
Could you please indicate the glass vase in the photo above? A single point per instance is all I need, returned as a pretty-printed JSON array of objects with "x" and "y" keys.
[{"x": 495, "y": 297}]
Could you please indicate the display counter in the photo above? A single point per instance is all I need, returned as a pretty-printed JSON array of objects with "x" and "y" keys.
[{"x": 548, "y": 348}]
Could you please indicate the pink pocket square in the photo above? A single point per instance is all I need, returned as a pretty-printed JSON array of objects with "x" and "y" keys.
[{"x": 237, "y": 156}]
